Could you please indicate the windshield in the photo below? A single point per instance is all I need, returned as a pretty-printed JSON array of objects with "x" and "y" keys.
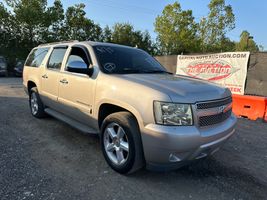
[{"x": 124, "y": 60}]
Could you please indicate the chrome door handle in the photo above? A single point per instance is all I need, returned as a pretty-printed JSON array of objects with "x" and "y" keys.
[
  {"x": 64, "y": 81},
  {"x": 44, "y": 76}
]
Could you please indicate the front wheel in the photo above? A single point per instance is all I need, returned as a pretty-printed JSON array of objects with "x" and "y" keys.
[{"x": 121, "y": 143}]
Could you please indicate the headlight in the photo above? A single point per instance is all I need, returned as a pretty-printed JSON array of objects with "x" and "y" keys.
[{"x": 173, "y": 114}]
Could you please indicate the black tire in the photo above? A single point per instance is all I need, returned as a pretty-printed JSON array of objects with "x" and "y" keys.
[
  {"x": 135, "y": 157},
  {"x": 40, "y": 113}
]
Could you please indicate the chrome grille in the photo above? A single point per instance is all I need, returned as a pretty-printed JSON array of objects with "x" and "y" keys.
[
  {"x": 213, "y": 112},
  {"x": 213, "y": 104}
]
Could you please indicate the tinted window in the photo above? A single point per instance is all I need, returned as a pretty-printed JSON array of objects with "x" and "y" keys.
[
  {"x": 123, "y": 60},
  {"x": 56, "y": 58},
  {"x": 36, "y": 57}
]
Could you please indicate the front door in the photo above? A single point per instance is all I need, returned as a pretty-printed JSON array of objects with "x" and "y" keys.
[{"x": 76, "y": 90}]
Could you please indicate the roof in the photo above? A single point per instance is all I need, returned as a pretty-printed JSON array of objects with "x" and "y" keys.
[{"x": 91, "y": 43}]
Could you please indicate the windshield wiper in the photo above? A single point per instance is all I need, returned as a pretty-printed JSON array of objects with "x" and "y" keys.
[
  {"x": 156, "y": 71},
  {"x": 130, "y": 70},
  {"x": 139, "y": 71}
]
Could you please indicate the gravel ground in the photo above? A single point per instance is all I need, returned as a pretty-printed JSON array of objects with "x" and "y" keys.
[{"x": 47, "y": 159}]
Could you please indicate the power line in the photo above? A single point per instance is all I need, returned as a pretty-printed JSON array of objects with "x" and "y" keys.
[
  {"x": 125, "y": 9},
  {"x": 104, "y": 22},
  {"x": 129, "y": 6}
]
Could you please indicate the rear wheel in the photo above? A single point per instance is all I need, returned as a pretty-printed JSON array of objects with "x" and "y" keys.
[
  {"x": 36, "y": 105},
  {"x": 121, "y": 143}
]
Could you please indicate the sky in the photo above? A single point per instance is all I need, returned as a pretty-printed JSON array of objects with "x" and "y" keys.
[{"x": 250, "y": 15}]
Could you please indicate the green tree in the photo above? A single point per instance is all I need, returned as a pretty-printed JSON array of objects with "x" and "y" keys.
[
  {"x": 225, "y": 45},
  {"x": 30, "y": 16},
  {"x": 143, "y": 41},
  {"x": 125, "y": 34},
  {"x": 27, "y": 23},
  {"x": 31, "y": 22},
  {"x": 246, "y": 43},
  {"x": 5, "y": 26},
  {"x": 106, "y": 34},
  {"x": 55, "y": 19},
  {"x": 176, "y": 30},
  {"x": 8, "y": 33},
  {"x": 78, "y": 27},
  {"x": 213, "y": 28}
]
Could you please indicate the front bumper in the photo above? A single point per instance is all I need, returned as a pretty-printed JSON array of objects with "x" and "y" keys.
[{"x": 170, "y": 147}]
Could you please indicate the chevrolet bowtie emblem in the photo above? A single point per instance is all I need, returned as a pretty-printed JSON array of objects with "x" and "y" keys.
[{"x": 221, "y": 109}]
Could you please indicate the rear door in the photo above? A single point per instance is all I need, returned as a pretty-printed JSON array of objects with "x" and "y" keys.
[
  {"x": 50, "y": 76},
  {"x": 76, "y": 90}
]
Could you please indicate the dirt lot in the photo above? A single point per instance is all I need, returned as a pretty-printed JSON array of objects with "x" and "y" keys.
[{"x": 46, "y": 159}]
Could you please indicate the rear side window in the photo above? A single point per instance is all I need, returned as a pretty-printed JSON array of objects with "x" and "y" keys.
[
  {"x": 36, "y": 57},
  {"x": 56, "y": 58}
]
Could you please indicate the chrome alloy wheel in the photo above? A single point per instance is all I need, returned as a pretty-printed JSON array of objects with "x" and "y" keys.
[
  {"x": 34, "y": 103},
  {"x": 116, "y": 144}
]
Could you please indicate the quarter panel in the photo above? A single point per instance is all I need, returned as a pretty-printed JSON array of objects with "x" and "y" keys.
[{"x": 31, "y": 74}]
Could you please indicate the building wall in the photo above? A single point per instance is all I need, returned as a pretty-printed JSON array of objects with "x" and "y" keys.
[{"x": 169, "y": 62}]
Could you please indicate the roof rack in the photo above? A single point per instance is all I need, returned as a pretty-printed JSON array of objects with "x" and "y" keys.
[{"x": 60, "y": 42}]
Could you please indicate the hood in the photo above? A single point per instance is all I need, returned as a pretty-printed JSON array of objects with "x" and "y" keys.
[{"x": 180, "y": 89}]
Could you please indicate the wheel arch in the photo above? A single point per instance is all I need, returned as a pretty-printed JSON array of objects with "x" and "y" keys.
[
  {"x": 107, "y": 108},
  {"x": 30, "y": 85}
]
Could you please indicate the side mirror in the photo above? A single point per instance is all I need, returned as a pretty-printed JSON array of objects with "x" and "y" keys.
[{"x": 79, "y": 67}]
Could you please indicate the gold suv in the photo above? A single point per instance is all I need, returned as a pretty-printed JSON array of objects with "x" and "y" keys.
[{"x": 145, "y": 116}]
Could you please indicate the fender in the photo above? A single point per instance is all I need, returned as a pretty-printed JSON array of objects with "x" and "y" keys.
[{"x": 121, "y": 104}]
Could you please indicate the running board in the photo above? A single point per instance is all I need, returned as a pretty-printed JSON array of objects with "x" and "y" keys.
[{"x": 75, "y": 124}]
